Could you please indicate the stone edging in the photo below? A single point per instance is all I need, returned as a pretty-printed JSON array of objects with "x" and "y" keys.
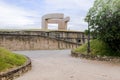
[
  {"x": 16, "y": 72},
  {"x": 93, "y": 57}
]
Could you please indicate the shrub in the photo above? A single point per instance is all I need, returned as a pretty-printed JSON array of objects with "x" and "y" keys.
[
  {"x": 98, "y": 47},
  {"x": 104, "y": 20}
]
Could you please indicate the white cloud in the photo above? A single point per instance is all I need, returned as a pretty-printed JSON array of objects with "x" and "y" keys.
[
  {"x": 76, "y": 9},
  {"x": 77, "y": 23},
  {"x": 17, "y": 17},
  {"x": 12, "y": 15},
  {"x": 70, "y": 4}
]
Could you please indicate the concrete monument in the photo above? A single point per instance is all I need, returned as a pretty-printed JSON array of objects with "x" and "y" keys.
[{"x": 55, "y": 18}]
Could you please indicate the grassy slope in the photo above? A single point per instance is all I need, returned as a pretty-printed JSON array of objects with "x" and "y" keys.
[
  {"x": 97, "y": 48},
  {"x": 9, "y": 60}
]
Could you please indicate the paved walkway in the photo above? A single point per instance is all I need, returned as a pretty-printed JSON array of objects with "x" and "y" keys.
[{"x": 59, "y": 65}]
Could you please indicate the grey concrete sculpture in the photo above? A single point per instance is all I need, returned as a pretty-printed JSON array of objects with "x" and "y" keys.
[{"x": 55, "y": 18}]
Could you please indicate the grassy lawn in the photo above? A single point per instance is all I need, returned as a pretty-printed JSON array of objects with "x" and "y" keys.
[
  {"x": 97, "y": 48},
  {"x": 10, "y": 60}
]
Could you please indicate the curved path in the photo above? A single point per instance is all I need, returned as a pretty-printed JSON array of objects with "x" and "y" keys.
[{"x": 59, "y": 65}]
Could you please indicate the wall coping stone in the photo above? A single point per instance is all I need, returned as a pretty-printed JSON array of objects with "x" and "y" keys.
[
  {"x": 96, "y": 57},
  {"x": 16, "y": 72}
]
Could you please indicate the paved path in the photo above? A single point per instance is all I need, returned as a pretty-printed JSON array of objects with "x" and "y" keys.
[{"x": 59, "y": 65}]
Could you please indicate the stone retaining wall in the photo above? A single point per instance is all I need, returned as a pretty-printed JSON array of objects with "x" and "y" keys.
[
  {"x": 93, "y": 57},
  {"x": 16, "y": 72},
  {"x": 41, "y": 40},
  {"x": 34, "y": 43}
]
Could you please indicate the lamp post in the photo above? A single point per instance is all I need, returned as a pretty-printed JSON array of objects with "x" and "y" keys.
[{"x": 88, "y": 46}]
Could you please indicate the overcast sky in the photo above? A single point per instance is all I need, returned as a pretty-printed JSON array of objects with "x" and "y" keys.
[{"x": 26, "y": 14}]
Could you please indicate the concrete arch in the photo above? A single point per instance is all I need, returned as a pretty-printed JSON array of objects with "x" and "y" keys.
[{"x": 55, "y": 18}]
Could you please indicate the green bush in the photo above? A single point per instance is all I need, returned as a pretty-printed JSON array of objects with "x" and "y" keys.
[
  {"x": 9, "y": 60},
  {"x": 104, "y": 20},
  {"x": 97, "y": 47}
]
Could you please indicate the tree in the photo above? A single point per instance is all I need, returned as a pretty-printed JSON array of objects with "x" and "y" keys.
[{"x": 104, "y": 20}]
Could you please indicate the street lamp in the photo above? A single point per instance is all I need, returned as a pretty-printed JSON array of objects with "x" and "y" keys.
[{"x": 88, "y": 46}]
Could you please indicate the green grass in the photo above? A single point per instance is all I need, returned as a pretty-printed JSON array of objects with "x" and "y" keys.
[
  {"x": 97, "y": 48},
  {"x": 10, "y": 60}
]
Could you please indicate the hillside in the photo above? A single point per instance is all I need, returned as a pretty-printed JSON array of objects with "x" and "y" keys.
[{"x": 10, "y": 60}]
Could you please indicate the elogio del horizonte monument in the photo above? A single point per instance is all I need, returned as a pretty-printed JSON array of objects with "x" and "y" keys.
[
  {"x": 44, "y": 39},
  {"x": 57, "y": 18}
]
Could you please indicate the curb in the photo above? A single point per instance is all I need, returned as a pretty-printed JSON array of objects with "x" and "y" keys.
[
  {"x": 16, "y": 72},
  {"x": 97, "y": 57}
]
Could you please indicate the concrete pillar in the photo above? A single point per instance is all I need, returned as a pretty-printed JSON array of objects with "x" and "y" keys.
[{"x": 44, "y": 24}]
